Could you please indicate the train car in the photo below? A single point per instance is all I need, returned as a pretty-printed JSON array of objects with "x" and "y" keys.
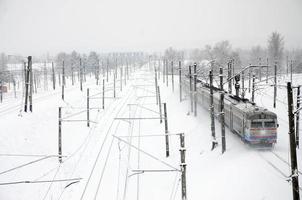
[{"x": 253, "y": 124}]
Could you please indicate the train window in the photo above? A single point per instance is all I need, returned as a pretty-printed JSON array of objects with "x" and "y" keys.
[
  {"x": 256, "y": 125},
  {"x": 270, "y": 124}
]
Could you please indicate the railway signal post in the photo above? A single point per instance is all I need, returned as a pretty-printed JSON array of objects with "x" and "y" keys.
[{"x": 293, "y": 153}]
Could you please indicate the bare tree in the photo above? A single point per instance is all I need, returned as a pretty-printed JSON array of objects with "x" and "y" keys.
[
  {"x": 275, "y": 47},
  {"x": 257, "y": 54}
]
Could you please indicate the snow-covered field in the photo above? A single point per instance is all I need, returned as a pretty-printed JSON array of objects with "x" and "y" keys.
[{"x": 106, "y": 158}]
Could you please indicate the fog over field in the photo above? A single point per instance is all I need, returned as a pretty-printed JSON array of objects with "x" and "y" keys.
[{"x": 36, "y": 27}]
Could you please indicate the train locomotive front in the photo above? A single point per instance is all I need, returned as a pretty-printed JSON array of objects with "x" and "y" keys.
[{"x": 261, "y": 127}]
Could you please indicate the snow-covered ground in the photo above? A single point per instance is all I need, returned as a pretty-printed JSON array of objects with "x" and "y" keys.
[{"x": 110, "y": 168}]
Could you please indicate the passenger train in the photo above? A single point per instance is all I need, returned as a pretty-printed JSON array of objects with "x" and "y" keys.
[{"x": 253, "y": 124}]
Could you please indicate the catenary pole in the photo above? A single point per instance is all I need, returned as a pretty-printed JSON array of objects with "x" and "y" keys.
[{"x": 293, "y": 153}]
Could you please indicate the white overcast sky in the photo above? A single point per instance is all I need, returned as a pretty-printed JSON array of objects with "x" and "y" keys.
[{"x": 34, "y": 27}]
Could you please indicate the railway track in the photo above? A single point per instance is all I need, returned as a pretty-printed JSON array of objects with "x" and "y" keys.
[
  {"x": 279, "y": 164},
  {"x": 19, "y": 106}
]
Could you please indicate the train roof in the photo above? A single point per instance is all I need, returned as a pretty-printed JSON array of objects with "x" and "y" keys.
[{"x": 250, "y": 109}]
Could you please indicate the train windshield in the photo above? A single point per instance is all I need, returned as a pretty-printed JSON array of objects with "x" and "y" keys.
[
  {"x": 270, "y": 124},
  {"x": 256, "y": 124}
]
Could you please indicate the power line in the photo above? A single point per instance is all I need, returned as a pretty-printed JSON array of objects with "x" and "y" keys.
[{"x": 44, "y": 181}]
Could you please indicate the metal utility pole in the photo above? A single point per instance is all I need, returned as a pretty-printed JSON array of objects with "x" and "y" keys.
[
  {"x": 183, "y": 166},
  {"x": 166, "y": 131},
  {"x": 63, "y": 74},
  {"x": 190, "y": 82},
  {"x": 298, "y": 116},
  {"x": 121, "y": 78},
  {"x": 242, "y": 87},
  {"x": 53, "y": 76},
  {"x": 14, "y": 83},
  {"x": 287, "y": 65},
  {"x": 214, "y": 143},
  {"x": 127, "y": 69},
  {"x": 97, "y": 72},
  {"x": 103, "y": 96},
  {"x": 167, "y": 72},
  {"x": 59, "y": 77},
  {"x": 114, "y": 85},
  {"x": 266, "y": 70},
  {"x": 28, "y": 85},
  {"x": 88, "y": 124},
  {"x": 155, "y": 82},
  {"x": 81, "y": 76},
  {"x": 60, "y": 135},
  {"x": 159, "y": 105},
  {"x": 84, "y": 70},
  {"x": 222, "y": 121},
  {"x": 180, "y": 86},
  {"x": 237, "y": 85},
  {"x": 293, "y": 153},
  {"x": 229, "y": 78},
  {"x": 253, "y": 89},
  {"x": 158, "y": 69},
  {"x": 260, "y": 70},
  {"x": 195, "y": 89},
  {"x": 233, "y": 69},
  {"x": 107, "y": 70},
  {"x": 164, "y": 70},
  {"x": 250, "y": 78},
  {"x": 72, "y": 76},
  {"x": 1, "y": 91},
  {"x": 63, "y": 92},
  {"x": 275, "y": 84},
  {"x": 291, "y": 71},
  {"x": 172, "y": 71}
]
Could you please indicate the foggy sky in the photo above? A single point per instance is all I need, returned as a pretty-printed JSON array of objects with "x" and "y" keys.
[{"x": 35, "y": 27}]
